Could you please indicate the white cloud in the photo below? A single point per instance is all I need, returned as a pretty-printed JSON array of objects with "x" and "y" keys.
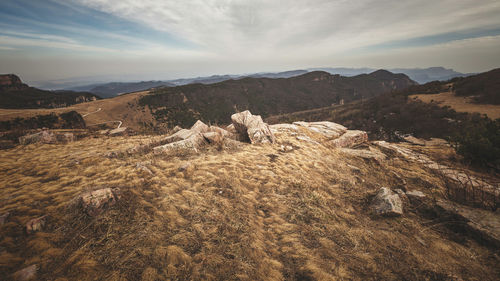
[{"x": 294, "y": 27}]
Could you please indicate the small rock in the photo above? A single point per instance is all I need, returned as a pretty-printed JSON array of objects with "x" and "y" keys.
[
  {"x": 185, "y": 167},
  {"x": 4, "y": 217},
  {"x": 386, "y": 203},
  {"x": 95, "y": 201},
  {"x": 103, "y": 132},
  {"x": 112, "y": 154},
  {"x": 415, "y": 193},
  {"x": 403, "y": 196},
  {"x": 354, "y": 169},
  {"x": 35, "y": 225},
  {"x": 27, "y": 273},
  {"x": 143, "y": 167},
  {"x": 286, "y": 148},
  {"x": 415, "y": 196}
]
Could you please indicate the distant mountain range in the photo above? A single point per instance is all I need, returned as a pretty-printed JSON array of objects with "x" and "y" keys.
[
  {"x": 420, "y": 75},
  {"x": 106, "y": 90},
  {"x": 214, "y": 103},
  {"x": 15, "y": 94},
  {"x": 109, "y": 90}
]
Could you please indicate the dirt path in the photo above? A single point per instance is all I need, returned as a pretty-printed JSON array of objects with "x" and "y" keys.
[{"x": 87, "y": 114}]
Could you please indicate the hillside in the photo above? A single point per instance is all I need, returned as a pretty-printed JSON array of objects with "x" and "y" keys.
[
  {"x": 214, "y": 103},
  {"x": 484, "y": 87},
  {"x": 442, "y": 115},
  {"x": 295, "y": 209},
  {"x": 16, "y": 95}
]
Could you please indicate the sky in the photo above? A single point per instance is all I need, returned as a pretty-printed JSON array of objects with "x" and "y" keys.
[{"x": 121, "y": 40}]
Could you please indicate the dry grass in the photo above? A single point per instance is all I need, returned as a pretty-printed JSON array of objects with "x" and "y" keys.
[
  {"x": 123, "y": 107},
  {"x": 249, "y": 213},
  {"x": 461, "y": 104}
]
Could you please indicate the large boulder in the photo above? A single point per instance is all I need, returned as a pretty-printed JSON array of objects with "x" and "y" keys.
[
  {"x": 252, "y": 128},
  {"x": 200, "y": 127},
  {"x": 180, "y": 135},
  {"x": 94, "y": 202},
  {"x": 326, "y": 128},
  {"x": 350, "y": 138},
  {"x": 193, "y": 142},
  {"x": 387, "y": 203}
]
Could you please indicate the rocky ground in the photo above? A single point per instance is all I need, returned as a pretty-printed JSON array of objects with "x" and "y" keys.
[{"x": 302, "y": 201}]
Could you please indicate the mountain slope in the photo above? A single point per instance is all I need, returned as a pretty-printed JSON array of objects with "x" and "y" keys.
[
  {"x": 214, "y": 103},
  {"x": 14, "y": 94}
]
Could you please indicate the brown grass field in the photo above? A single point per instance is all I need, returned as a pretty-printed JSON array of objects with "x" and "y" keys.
[
  {"x": 246, "y": 213},
  {"x": 461, "y": 104},
  {"x": 121, "y": 108}
]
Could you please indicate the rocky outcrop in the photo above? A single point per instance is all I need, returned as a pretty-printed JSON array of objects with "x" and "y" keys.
[
  {"x": 47, "y": 136},
  {"x": 387, "y": 203},
  {"x": 484, "y": 226},
  {"x": 193, "y": 142},
  {"x": 325, "y": 128},
  {"x": 350, "y": 138},
  {"x": 11, "y": 82},
  {"x": 252, "y": 128},
  {"x": 364, "y": 153},
  {"x": 450, "y": 173},
  {"x": 40, "y": 137},
  {"x": 94, "y": 202}
]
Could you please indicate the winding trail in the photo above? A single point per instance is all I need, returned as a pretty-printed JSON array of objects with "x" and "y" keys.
[
  {"x": 86, "y": 114},
  {"x": 119, "y": 121}
]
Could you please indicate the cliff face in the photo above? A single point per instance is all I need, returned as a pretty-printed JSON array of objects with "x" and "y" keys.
[{"x": 11, "y": 82}]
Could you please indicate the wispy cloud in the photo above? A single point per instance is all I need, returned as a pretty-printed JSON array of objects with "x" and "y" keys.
[{"x": 298, "y": 25}]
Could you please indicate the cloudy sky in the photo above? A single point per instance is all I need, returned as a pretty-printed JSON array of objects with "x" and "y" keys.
[{"x": 165, "y": 39}]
